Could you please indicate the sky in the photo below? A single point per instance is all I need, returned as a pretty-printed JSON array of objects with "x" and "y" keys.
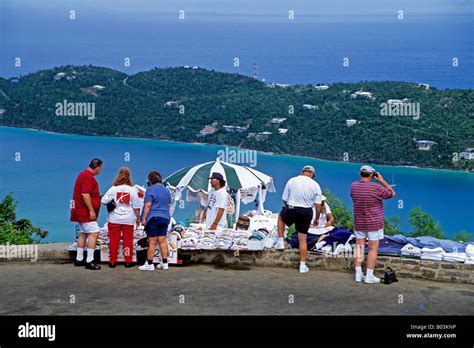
[{"x": 252, "y": 7}]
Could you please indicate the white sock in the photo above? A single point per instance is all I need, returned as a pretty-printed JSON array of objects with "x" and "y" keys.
[
  {"x": 80, "y": 254},
  {"x": 90, "y": 255},
  {"x": 370, "y": 272},
  {"x": 280, "y": 239},
  {"x": 302, "y": 263},
  {"x": 358, "y": 270}
]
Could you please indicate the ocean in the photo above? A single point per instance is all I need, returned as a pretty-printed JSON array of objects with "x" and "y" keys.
[
  {"x": 39, "y": 168},
  {"x": 420, "y": 47}
]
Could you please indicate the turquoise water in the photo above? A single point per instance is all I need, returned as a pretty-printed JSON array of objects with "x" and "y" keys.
[{"x": 42, "y": 180}]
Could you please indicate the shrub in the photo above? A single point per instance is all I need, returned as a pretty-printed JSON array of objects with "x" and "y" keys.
[{"x": 15, "y": 231}]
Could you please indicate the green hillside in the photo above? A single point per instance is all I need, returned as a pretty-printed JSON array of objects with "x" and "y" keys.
[{"x": 135, "y": 106}]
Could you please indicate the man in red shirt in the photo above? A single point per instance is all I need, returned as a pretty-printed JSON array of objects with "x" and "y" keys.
[
  {"x": 367, "y": 198},
  {"x": 85, "y": 210}
]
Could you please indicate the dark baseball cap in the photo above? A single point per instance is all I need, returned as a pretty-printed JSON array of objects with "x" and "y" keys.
[{"x": 216, "y": 175}]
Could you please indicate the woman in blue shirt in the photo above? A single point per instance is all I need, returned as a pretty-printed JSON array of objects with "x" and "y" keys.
[{"x": 156, "y": 218}]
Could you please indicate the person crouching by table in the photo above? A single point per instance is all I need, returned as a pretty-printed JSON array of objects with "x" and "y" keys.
[
  {"x": 123, "y": 215},
  {"x": 326, "y": 219},
  {"x": 156, "y": 218}
]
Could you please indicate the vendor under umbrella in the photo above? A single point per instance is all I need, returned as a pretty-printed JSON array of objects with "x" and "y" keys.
[{"x": 215, "y": 215}]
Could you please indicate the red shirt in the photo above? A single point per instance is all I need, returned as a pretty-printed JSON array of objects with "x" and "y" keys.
[
  {"x": 368, "y": 206},
  {"x": 85, "y": 183}
]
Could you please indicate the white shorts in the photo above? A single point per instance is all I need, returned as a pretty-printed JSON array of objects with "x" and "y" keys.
[
  {"x": 88, "y": 227},
  {"x": 375, "y": 235}
]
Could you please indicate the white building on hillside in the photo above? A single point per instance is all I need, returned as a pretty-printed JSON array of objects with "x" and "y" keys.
[
  {"x": 350, "y": 122},
  {"x": 278, "y": 120},
  {"x": 467, "y": 154},
  {"x": 394, "y": 102},
  {"x": 360, "y": 94},
  {"x": 424, "y": 145}
]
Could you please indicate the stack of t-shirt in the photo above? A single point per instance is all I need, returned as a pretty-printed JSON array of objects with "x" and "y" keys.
[
  {"x": 259, "y": 234},
  {"x": 240, "y": 240},
  {"x": 262, "y": 220},
  {"x": 103, "y": 237},
  {"x": 432, "y": 254},
  {"x": 224, "y": 239},
  {"x": 454, "y": 257},
  {"x": 410, "y": 250},
  {"x": 189, "y": 243},
  {"x": 190, "y": 239},
  {"x": 207, "y": 240},
  {"x": 469, "y": 254}
]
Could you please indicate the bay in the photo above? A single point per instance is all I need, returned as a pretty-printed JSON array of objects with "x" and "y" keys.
[{"x": 39, "y": 168}]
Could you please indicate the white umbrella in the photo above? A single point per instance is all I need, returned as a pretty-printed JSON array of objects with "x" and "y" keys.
[{"x": 246, "y": 182}]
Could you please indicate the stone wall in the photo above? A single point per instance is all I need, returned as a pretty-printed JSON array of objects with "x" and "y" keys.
[{"x": 405, "y": 268}]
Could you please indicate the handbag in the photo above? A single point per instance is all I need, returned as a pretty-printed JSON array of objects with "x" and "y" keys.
[
  {"x": 111, "y": 206},
  {"x": 389, "y": 276},
  {"x": 243, "y": 223}
]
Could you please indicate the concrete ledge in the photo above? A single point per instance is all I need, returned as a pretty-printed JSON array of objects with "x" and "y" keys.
[
  {"x": 52, "y": 252},
  {"x": 56, "y": 252},
  {"x": 405, "y": 267}
]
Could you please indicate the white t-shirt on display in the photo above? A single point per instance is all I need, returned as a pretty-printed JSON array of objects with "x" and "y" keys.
[
  {"x": 126, "y": 199},
  {"x": 217, "y": 200},
  {"x": 302, "y": 191}
]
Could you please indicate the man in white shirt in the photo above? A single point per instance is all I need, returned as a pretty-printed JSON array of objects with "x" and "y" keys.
[
  {"x": 216, "y": 211},
  {"x": 301, "y": 194}
]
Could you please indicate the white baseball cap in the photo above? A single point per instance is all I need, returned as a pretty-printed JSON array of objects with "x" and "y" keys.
[
  {"x": 308, "y": 168},
  {"x": 367, "y": 169}
]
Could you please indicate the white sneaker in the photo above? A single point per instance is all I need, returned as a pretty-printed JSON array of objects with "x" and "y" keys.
[
  {"x": 147, "y": 267},
  {"x": 304, "y": 269},
  {"x": 372, "y": 280},
  {"x": 280, "y": 245},
  {"x": 163, "y": 266},
  {"x": 359, "y": 277}
]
